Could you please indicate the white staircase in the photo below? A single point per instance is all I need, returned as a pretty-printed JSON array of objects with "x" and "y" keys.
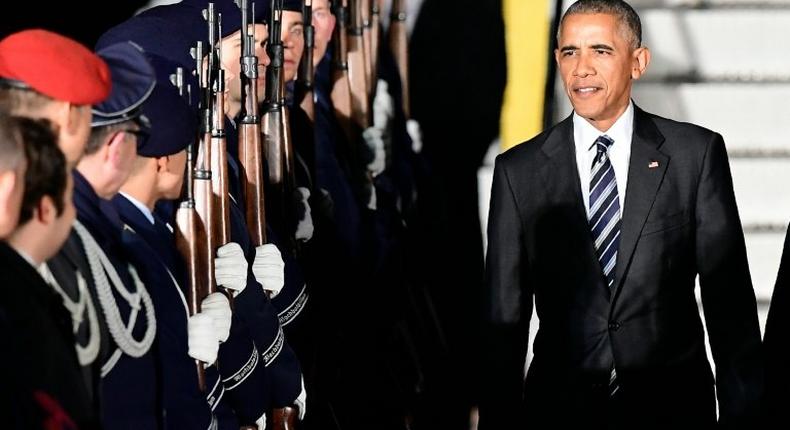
[{"x": 725, "y": 65}]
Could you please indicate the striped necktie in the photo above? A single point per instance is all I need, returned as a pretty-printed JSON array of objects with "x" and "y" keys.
[
  {"x": 604, "y": 209},
  {"x": 605, "y": 220}
]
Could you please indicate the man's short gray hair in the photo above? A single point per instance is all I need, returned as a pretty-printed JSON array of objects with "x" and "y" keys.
[{"x": 621, "y": 10}]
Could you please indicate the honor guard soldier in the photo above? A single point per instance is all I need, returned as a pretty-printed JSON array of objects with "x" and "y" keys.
[
  {"x": 178, "y": 337},
  {"x": 159, "y": 174},
  {"x": 264, "y": 274},
  {"x": 46, "y": 75},
  {"x": 247, "y": 389},
  {"x": 252, "y": 306},
  {"x": 96, "y": 267}
]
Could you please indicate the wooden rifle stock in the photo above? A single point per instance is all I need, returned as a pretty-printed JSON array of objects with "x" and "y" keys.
[
  {"x": 357, "y": 67},
  {"x": 205, "y": 208},
  {"x": 250, "y": 144},
  {"x": 186, "y": 237},
  {"x": 219, "y": 165},
  {"x": 375, "y": 40},
  {"x": 284, "y": 418},
  {"x": 273, "y": 104},
  {"x": 341, "y": 86},
  {"x": 204, "y": 195},
  {"x": 192, "y": 233},
  {"x": 367, "y": 44},
  {"x": 278, "y": 145},
  {"x": 399, "y": 44},
  {"x": 186, "y": 231},
  {"x": 306, "y": 76}
]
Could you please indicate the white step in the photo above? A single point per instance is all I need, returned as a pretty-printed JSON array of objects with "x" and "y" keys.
[
  {"x": 746, "y": 44},
  {"x": 752, "y": 117},
  {"x": 761, "y": 190},
  {"x": 765, "y": 253}
]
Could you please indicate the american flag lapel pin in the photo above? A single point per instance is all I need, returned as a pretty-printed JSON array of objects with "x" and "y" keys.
[{"x": 653, "y": 165}]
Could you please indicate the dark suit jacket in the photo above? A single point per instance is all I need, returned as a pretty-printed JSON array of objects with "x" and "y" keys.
[
  {"x": 39, "y": 348},
  {"x": 777, "y": 347},
  {"x": 679, "y": 219}
]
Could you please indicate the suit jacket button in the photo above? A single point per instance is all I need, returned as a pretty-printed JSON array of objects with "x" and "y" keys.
[{"x": 614, "y": 325}]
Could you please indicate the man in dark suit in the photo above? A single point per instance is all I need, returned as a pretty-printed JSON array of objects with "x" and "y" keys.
[
  {"x": 41, "y": 375},
  {"x": 606, "y": 219}
]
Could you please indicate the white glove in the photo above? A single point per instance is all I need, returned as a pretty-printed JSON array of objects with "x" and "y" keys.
[
  {"x": 304, "y": 228},
  {"x": 301, "y": 402},
  {"x": 374, "y": 141},
  {"x": 269, "y": 268},
  {"x": 261, "y": 422},
  {"x": 201, "y": 338},
  {"x": 230, "y": 267},
  {"x": 415, "y": 132},
  {"x": 216, "y": 306},
  {"x": 383, "y": 106}
]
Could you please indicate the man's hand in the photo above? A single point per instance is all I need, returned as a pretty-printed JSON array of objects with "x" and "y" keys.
[
  {"x": 377, "y": 155},
  {"x": 415, "y": 133},
  {"x": 301, "y": 402},
  {"x": 269, "y": 268},
  {"x": 201, "y": 338},
  {"x": 216, "y": 306},
  {"x": 230, "y": 267},
  {"x": 383, "y": 106},
  {"x": 304, "y": 227}
]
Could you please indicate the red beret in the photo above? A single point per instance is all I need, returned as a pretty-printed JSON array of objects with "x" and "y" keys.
[{"x": 55, "y": 66}]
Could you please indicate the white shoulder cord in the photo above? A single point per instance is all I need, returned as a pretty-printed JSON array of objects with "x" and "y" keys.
[
  {"x": 121, "y": 333},
  {"x": 88, "y": 353}
]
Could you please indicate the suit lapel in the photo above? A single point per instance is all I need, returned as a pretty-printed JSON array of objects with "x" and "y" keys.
[
  {"x": 644, "y": 180},
  {"x": 560, "y": 173},
  {"x": 562, "y": 185}
]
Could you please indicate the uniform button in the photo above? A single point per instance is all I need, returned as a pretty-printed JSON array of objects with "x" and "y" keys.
[{"x": 614, "y": 325}]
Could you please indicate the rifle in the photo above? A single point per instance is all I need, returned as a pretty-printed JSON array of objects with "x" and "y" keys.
[
  {"x": 203, "y": 194},
  {"x": 219, "y": 153},
  {"x": 219, "y": 147},
  {"x": 341, "y": 87},
  {"x": 210, "y": 176},
  {"x": 399, "y": 45},
  {"x": 304, "y": 80},
  {"x": 186, "y": 233},
  {"x": 275, "y": 122},
  {"x": 357, "y": 68},
  {"x": 375, "y": 39},
  {"x": 250, "y": 146},
  {"x": 367, "y": 44}
]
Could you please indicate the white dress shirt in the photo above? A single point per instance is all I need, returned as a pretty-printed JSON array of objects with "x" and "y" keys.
[
  {"x": 139, "y": 205},
  {"x": 584, "y": 136}
]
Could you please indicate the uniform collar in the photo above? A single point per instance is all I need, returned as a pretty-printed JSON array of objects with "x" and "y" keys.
[
  {"x": 98, "y": 216},
  {"x": 140, "y": 206}
]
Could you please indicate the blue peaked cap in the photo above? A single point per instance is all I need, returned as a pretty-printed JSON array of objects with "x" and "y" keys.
[
  {"x": 132, "y": 78},
  {"x": 173, "y": 120}
]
